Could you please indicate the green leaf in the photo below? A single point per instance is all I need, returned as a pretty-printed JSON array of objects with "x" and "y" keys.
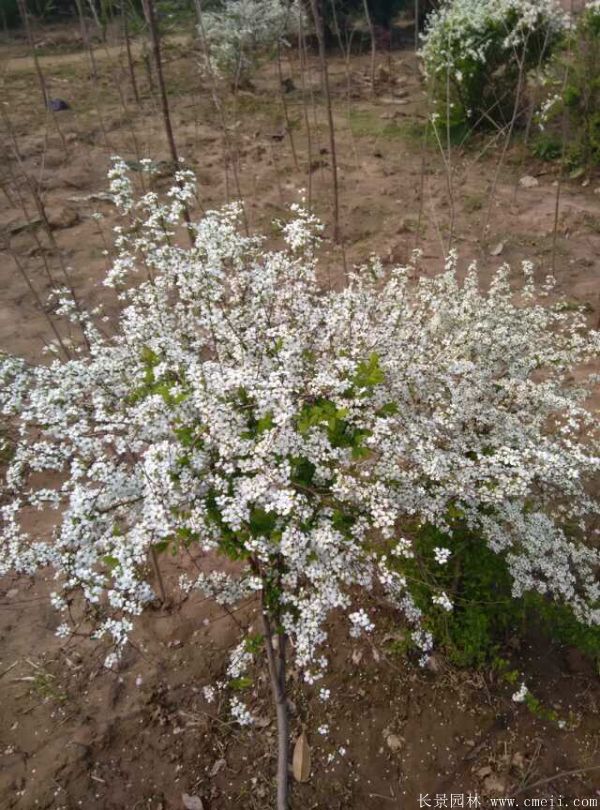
[
  {"x": 342, "y": 521},
  {"x": 303, "y": 471},
  {"x": 389, "y": 409},
  {"x": 315, "y": 413},
  {"x": 240, "y": 683},
  {"x": 368, "y": 373},
  {"x": 254, "y": 643},
  {"x": 264, "y": 423},
  {"x": 262, "y": 523}
]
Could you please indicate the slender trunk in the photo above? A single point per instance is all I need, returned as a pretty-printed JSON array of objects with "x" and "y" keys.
[
  {"x": 229, "y": 156},
  {"x": 38, "y": 68},
  {"x": 373, "y": 44},
  {"x": 283, "y": 732},
  {"x": 130, "y": 64},
  {"x": 92, "y": 6},
  {"x": 302, "y": 54},
  {"x": 158, "y": 575},
  {"x": 449, "y": 163},
  {"x": 515, "y": 115},
  {"x": 164, "y": 102},
  {"x": 86, "y": 39},
  {"x": 345, "y": 50},
  {"x": 25, "y": 18},
  {"x": 277, "y": 679},
  {"x": 148, "y": 68},
  {"x": 325, "y": 78},
  {"x": 39, "y": 204},
  {"x": 40, "y": 304},
  {"x": 417, "y": 15},
  {"x": 421, "y": 190},
  {"x": 288, "y": 123}
]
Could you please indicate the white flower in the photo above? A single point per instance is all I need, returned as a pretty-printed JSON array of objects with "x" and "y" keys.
[
  {"x": 236, "y": 32},
  {"x": 360, "y": 623},
  {"x": 442, "y": 600},
  {"x": 465, "y": 38},
  {"x": 241, "y": 410},
  {"x": 240, "y": 713},
  {"x": 209, "y": 693},
  {"x": 442, "y": 555},
  {"x": 520, "y": 695}
]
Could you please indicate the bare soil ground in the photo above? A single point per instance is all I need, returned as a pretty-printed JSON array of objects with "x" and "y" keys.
[{"x": 74, "y": 735}]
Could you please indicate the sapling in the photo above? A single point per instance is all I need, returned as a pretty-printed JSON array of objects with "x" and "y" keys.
[
  {"x": 24, "y": 14},
  {"x": 237, "y": 33},
  {"x": 309, "y": 150},
  {"x": 149, "y": 12},
  {"x": 371, "y": 28},
  {"x": 317, "y": 14},
  {"x": 130, "y": 62},
  {"x": 85, "y": 38},
  {"x": 230, "y": 154},
  {"x": 241, "y": 409},
  {"x": 573, "y": 93},
  {"x": 284, "y": 106}
]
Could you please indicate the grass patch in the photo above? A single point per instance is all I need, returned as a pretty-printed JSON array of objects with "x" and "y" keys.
[
  {"x": 254, "y": 104},
  {"x": 369, "y": 124},
  {"x": 473, "y": 203}
]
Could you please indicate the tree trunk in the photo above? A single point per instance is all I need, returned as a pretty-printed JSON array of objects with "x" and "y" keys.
[{"x": 277, "y": 678}]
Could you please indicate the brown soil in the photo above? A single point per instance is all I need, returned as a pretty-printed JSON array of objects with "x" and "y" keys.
[{"x": 73, "y": 735}]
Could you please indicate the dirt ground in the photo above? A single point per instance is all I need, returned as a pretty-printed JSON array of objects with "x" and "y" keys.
[{"x": 74, "y": 735}]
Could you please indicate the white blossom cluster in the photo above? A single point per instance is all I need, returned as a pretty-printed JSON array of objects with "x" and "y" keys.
[
  {"x": 240, "y": 407},
  {"x": 520, "y": 695},
  {"x": 478, "y": 53},
  {"x": 442, "y": 555},
  {"x": 237, "y": 32},
  {"x": 461, "y": 32},
  {"x": 547, "y": 110},
  {"x": 586, "y": 30}
]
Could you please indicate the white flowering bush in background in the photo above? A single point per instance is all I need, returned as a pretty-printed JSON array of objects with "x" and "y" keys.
[
  {"x": 571, "y": 109},
  {"x": 310, "y": 435},
  {"x": 477, "y": 55},
  {"x": 237, "y": 33}
]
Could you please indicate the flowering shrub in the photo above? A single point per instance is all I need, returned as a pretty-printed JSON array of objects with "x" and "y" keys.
[
  {"x": 477, "y": 54},
  {"x": 332, "y": 443},
  {"x": 239, "y": 31},
  {"x": 577, "y": 97}
]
